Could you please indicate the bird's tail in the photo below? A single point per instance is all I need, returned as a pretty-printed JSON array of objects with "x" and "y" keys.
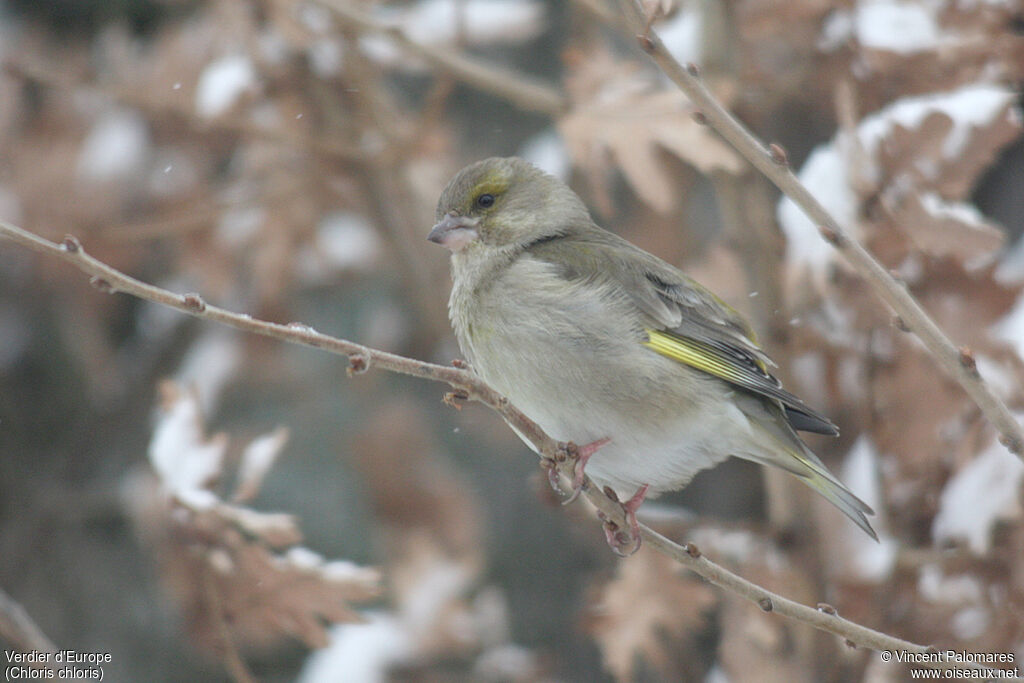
[
  {"x": 813, "y": 474},
  {"x": 797, "y": 459}
]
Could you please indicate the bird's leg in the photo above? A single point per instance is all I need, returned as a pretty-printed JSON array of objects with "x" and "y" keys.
[
  {"x": 582, "y": 455},
  {"x": 624, "y": 543}
]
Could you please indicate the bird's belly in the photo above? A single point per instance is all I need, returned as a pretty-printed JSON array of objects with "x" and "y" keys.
[
  {"x": 581, "y": 383},
  {"x": 664, "y": 454}
]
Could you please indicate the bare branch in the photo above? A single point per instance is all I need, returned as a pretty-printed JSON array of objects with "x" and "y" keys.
[
  {"x": 468, "y": 386},
  {"x": 770, "y": 162},
  {"x": 526, "y": 93}
]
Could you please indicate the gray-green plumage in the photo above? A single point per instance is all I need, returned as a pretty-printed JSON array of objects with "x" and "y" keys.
[{"x": 593, "y": 337}]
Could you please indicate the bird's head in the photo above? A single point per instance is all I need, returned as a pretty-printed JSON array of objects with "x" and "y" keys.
[{"x": 501, "y": 203}]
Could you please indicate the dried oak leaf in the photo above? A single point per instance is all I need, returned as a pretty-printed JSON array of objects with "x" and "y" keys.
[
  {"x": 759, "y": 647},
  {"x": 944, "y": 141},
  {"x": 946, "y": 45},
  {"x": 968, "y": 603},
  {"x": 939, "y": 228},
  {"x": 260, "y": 596},
  {"x": 933, "y": 147},
  {"x": 648, "y": 619},
  {"x": 618, "y": 114},
  {"x": 912, "y": 404},
  {"x": 237, "y": 573}
]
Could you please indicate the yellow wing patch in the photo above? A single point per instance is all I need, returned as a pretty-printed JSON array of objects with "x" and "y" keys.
[
  {"x": 739, "y": 369},
  {"x": 695, "y": 354}
]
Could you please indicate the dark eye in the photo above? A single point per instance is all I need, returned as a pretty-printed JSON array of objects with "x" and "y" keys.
[{"x": 485, "y": 201}]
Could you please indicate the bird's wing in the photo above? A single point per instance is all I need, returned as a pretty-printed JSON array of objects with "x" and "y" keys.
[{"x": 692, "y": 325}]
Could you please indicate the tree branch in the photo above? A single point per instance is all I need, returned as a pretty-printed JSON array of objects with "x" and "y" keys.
[
  {"x": 522, "y": 91},
  {"x": 957, "y": 363},
  {"x": 468, "y": 386}
]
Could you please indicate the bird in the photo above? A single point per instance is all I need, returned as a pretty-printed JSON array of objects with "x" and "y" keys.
[{"x": 606, "y": 345}]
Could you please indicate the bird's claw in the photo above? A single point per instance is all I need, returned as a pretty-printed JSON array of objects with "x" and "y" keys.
[
  {"x": 551, "y": 465},
  {"x": 581, "y": 454},
  {"x": 624, "y": 542}
]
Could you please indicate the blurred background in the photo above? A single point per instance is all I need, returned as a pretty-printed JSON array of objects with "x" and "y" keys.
[{"x": 206, "y": 506}]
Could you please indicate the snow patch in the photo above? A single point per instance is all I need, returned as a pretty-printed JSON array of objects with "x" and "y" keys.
[
  {"x": 825, "y": 171},
  {"x": 1010, "y": 328},
  {"x": 937, "y": 587},
  {"x": 443, "y": 22},
  {"x": 343, "y": 241},
  {"x": 681, "y": 35},
  {"x": 897, "y": 26},
  {"x": 186, "y": 462},
  {"x": 211, "y": 362},
  {"x": 1010, "y": 270},
  {"x": 325, "y": 57},
  {"x": 222, "y": 83},
  {"x": 116, "y": 147},
  {"x": 838, "y": 29},
  {"x": 971, "y": 622},
  {"x": 967, "y": 214},
  {"x": 824, "y": 175},
  {"x": 359, "y": 653},
  {"x": 546, "y": 150},
  {"x": 346, "y": 240},
  {"x": 868, "y": 560},
  {"x": 239, "y": 225},
  {"x": 983, "y": 492}
]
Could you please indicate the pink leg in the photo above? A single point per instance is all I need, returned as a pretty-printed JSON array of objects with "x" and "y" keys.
[
  {"x": 582, "y": 455},
  {"x": 624, "y": 543}
]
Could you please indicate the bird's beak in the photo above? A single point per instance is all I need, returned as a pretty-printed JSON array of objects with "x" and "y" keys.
[{"x": 454, "y": 232}]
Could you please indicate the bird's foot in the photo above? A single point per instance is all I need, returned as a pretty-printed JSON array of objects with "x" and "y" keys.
[
  {"x": 581, "y": 454},
  {"x": 624, "y": 542}
]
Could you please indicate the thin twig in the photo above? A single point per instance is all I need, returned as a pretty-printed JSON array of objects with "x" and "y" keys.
[
  {"x": 524, "y": 92},
  {"x": 470, "y": 387},
  {"x": 771, "y": 162}
]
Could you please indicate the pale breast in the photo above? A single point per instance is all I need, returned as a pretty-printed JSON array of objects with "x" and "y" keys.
[{"x": 551, "y": 345}]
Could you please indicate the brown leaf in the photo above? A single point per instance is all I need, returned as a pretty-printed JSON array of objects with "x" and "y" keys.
[
  {"x": 617, "y": 115},
  {"x": 927, "y": 148},
  {"x": 262, "y": 597},
  {"x": 220, "y": 560},
  {"x": 940, "y": 229},
  {"x": 648, "y": 618}
]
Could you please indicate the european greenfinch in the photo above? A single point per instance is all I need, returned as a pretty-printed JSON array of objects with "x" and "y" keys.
[{"x": 606, "y": 345}]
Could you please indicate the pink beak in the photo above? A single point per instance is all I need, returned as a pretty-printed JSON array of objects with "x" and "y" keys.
[{"x": 454, "y": 232}]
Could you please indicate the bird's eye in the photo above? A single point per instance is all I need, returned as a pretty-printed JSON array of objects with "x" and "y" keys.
[{"x": 485, "y": 201}]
